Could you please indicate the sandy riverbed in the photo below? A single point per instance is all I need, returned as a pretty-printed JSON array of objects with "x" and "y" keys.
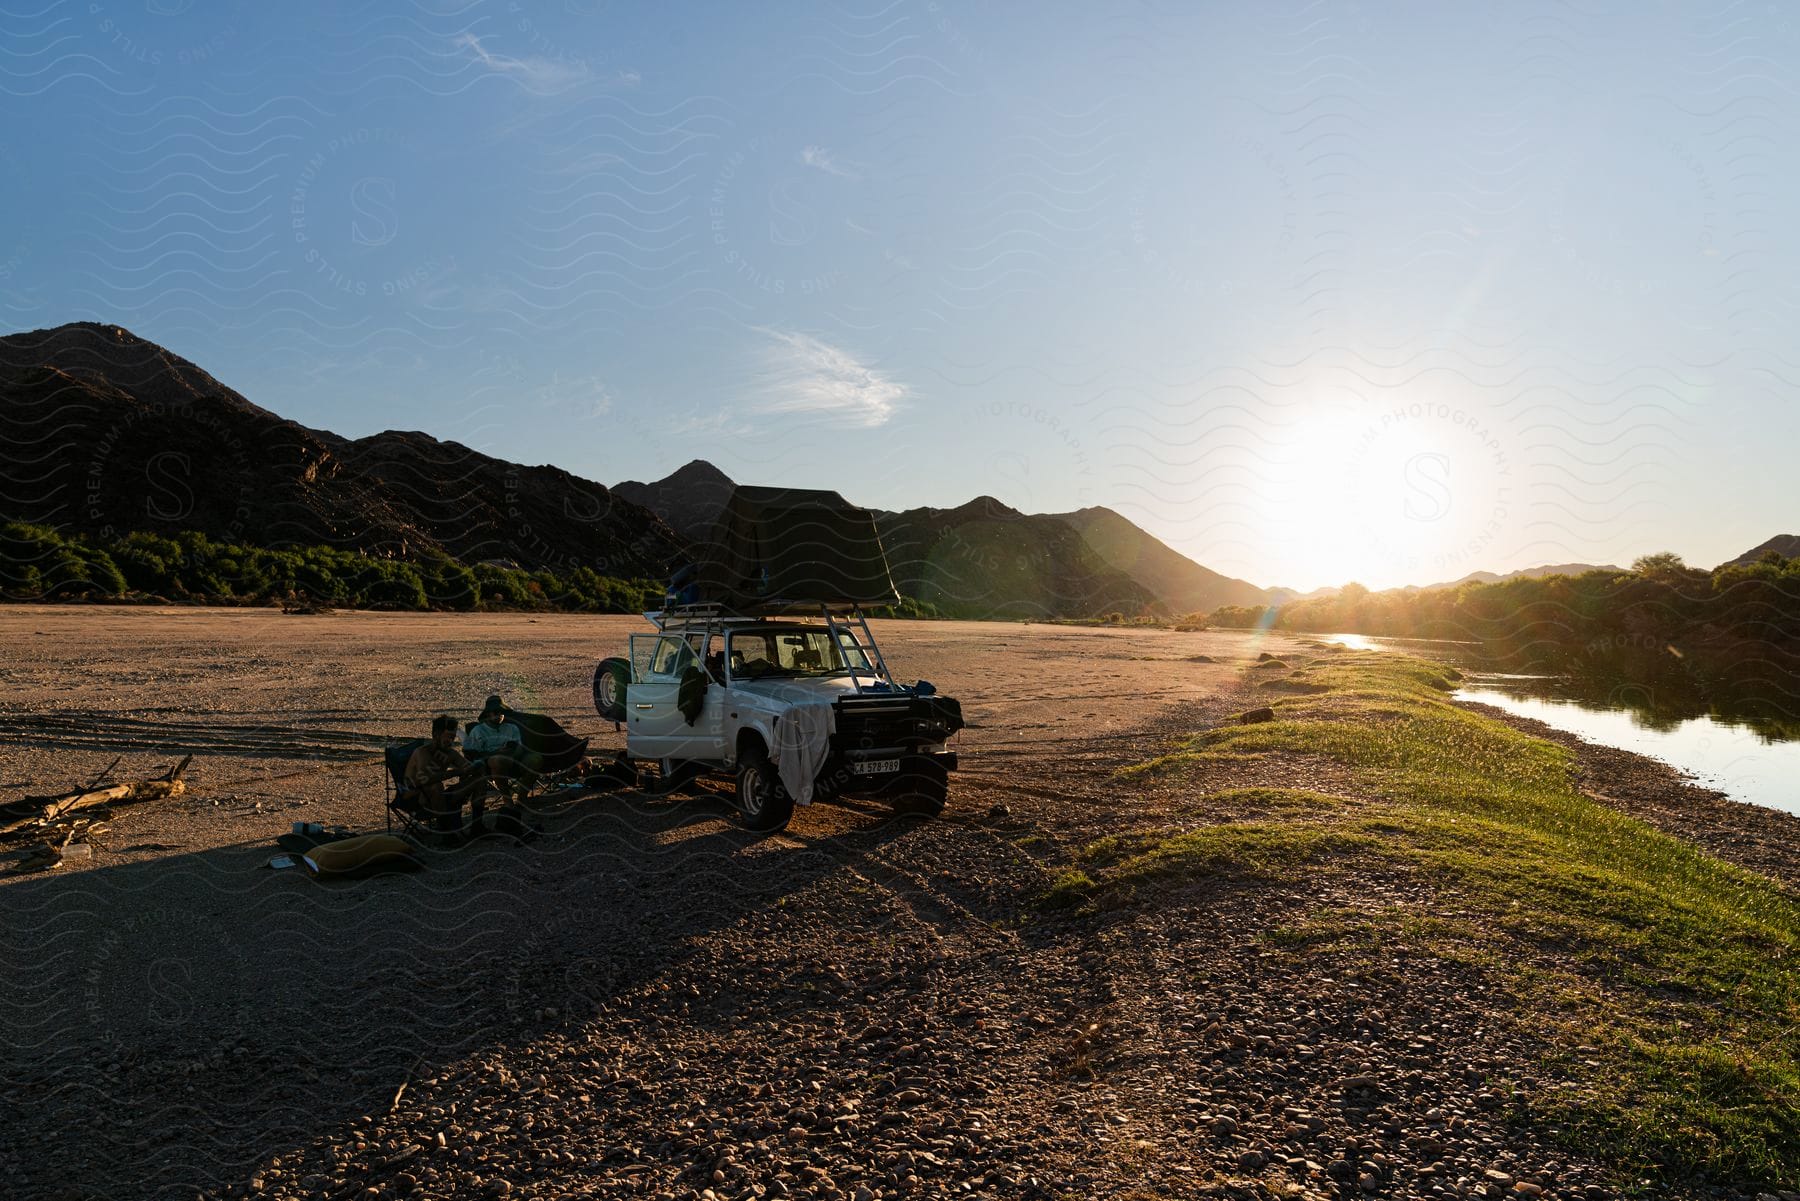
[
  {"x": 285, "y": 713},
  {"x": 649, "y": 1001}
]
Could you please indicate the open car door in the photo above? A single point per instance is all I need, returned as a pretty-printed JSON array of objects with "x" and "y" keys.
[{"x": 655, "y": 727}]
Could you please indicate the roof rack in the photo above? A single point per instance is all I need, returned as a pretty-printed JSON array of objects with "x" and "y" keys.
[
  {"x": 845, "y": 620},
  {"x": 708, "y": 610}
]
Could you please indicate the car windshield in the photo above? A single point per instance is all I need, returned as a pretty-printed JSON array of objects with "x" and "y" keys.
[{"x": 759, "y": 654}]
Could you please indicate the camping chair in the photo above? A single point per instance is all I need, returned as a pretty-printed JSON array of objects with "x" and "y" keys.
[
  {"x": 405, "y": 807},
  {"x": 560, "y": 750},
  {"x": 403, "y": 804}
]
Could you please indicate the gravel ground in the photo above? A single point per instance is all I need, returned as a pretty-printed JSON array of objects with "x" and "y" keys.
[{"x": 649, "y": 1002}]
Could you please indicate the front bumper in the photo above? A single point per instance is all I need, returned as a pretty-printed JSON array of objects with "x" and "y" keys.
[
  {"x": 944, "y": 759},
  {"x": 839, "y": 774}
]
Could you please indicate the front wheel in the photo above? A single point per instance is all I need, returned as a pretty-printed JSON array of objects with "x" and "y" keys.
[
  {"x": 921, "y": 789},
  {"x": 923, "y": 798},
  {"x": 610, "y": 678},
  {"x": 765, "y": 804}
]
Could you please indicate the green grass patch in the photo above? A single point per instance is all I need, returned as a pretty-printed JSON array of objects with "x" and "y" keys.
[
  {"x": 1687, "y": 964},
  {"x": 1073, "y": 889},
  {"x": 1177, "y": 760},
  {"x": 1236, "y": 850}
]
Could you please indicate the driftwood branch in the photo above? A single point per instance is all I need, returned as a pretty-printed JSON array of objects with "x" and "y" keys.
[
  {"x": 42, "y": 810},
  {"x": 95, "y": 782}
]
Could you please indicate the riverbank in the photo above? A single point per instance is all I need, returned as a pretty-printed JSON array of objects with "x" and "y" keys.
[
  {"x": 1755, "y": 837},
  {"x": 1643, "y": 987}
]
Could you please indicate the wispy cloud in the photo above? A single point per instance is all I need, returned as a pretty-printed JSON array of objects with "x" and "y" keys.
[
  {"x": 537, "y": 73},
  {"x": 824, "y": 160},
  {"x": 585, "y": 397},
  {"x": 719, "y": 424},
  {"x": 805, "y": 375}
]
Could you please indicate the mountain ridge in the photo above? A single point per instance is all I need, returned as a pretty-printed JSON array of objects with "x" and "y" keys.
[
  {"x": 1182, "y": 584},
  {"x": 986, "y": 556},
  {"x": 161, "y": 445},
  {"x": 1785, "y": 545},
  {"x": 1524, "y": 573},
  {"x": 688, "y": 498}
]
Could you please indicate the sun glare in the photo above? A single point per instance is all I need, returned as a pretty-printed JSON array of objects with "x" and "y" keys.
[{"x": 1414, "y": 492}]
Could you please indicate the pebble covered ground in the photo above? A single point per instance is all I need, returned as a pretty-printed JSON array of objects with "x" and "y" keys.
[{"x": 648, "y": 1001}]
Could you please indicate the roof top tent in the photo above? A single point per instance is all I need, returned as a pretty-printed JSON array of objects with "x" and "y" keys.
[
  {"x": 781, "y": 552},
  {"x": 794, "y": 548}
]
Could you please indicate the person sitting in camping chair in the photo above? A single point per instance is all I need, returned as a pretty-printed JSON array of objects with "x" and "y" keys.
[
  {"x": 500, "y": 745},
  {"x": 439, "y": 761}
]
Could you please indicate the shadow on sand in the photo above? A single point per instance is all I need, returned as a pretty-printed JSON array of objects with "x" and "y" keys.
[{"x": 170, "y": 1024}]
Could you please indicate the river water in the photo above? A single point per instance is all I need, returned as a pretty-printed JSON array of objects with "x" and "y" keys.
[{"x": 1743, "y": 762}]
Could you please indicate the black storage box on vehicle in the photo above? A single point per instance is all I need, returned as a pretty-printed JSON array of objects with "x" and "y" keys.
[{"x": 777, "y": 546}]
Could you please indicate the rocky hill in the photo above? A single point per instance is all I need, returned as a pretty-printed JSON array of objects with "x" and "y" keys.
[
  {"x": 1182, "y": 585},
  {"x": 1524, "y": 573},
  {"x": 984, "y": 559},
  {"x": 688, "y": 499},
  {"x": 987, "y": 559},
  {"x": 1785, "y": 545},
  {"x": 112, "y": 433}
]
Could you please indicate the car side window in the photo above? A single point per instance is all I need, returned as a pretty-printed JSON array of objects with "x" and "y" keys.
[
  {"x": 671, "y": 657},
  {"x": 748, "y": 649}
]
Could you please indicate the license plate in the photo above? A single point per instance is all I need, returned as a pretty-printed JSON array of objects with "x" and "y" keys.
[{"x": 871, "y": 767}]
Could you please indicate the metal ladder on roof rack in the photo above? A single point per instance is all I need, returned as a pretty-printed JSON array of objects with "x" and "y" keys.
[{"x": 857, "y": 620}]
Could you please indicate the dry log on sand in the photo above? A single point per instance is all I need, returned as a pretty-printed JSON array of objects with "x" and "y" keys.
[{"x": 42, "y": 810}]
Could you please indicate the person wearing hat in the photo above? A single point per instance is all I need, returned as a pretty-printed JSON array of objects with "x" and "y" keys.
[{"x": 500, "y": 745}]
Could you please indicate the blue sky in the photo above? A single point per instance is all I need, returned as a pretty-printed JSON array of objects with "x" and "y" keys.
[{"x": 1313, "y": 292}]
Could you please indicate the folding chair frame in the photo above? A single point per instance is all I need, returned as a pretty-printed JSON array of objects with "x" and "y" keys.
[{"x": 399, "y": 801}]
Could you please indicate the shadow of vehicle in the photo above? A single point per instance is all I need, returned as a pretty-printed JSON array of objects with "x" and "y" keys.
[{"x": 169, "y": 1024}]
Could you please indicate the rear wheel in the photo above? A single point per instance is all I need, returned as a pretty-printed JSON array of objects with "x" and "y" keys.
[
  {"x": 762, "y": 800},
  {"x": 610, "y": 678}
]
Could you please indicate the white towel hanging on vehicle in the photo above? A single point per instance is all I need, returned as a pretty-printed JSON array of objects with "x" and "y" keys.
[{"x": 802, "y": 740}]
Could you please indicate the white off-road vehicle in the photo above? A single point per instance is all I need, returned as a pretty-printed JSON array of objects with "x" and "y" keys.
[
  {"x": 762, "y": 665},
  {"x": 797, "y": 707}
]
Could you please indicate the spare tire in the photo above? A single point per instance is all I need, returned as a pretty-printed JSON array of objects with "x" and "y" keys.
[{"x": 610, "y": 679}]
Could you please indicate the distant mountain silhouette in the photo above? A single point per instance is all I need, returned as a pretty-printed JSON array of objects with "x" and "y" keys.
[
  {"x": 1785, "y": 545},
  {"x": 1526, "y": 573},
  {"x": 986, "y": 559},
  {"x": 110, "y": 433},
  {"x": 689, "y": 499},
  {"x": 1182, "y": 585},
  {"x": 1281, "y": 596}
]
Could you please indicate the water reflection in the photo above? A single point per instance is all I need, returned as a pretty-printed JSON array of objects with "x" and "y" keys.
[
  {"x": 1441, "y": 649},
  {"x": 1745, "y": 751},
  {"x": 1738, "y": 760}
]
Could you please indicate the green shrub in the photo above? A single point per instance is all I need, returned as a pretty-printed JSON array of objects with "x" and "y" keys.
[{"x": 38, "y": 563}]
